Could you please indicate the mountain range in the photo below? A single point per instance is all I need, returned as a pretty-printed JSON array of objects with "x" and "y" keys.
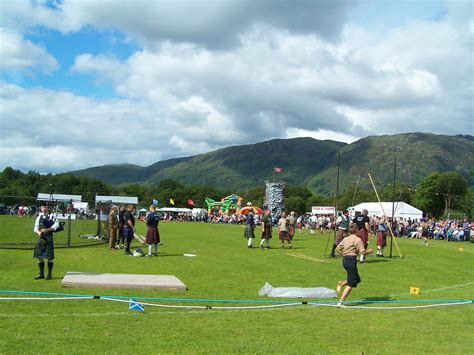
[{"x": 307, "y": 162}]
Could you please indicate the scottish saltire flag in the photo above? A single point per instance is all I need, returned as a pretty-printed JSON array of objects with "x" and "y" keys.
[
  {"x": 155, "y": 202},
  {"x": 135, "y": 306}
]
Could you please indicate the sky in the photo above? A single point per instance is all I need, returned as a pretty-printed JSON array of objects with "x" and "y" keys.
[{"x": 90, "y": 83}]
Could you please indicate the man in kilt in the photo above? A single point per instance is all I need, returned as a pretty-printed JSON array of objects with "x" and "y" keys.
[
  {"x": 266, "y": 229},
  {"x": 44, "y": 228},
  {"x": 249, "y": 229},
  {"x": 362, "y": 223},
  {"x": 381, "y": 236},
  {"x": 284, "y": 230},
  {"x": 152, "y": 233}
]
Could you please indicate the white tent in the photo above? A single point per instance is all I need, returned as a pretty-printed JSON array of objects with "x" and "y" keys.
[
  {"x": 126, "y": 200},
  {"x": 58, "y": 197},
  {"x": 174, "y": 209},
  {"x": 82, "y": 206},
  {"x": 402, "y": 210}
]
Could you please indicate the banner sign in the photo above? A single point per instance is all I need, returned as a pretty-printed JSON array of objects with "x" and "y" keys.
[{"x": 323, "y": 210}]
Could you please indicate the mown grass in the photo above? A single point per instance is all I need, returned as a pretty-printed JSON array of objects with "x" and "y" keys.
[{"x": 225, "y": 269}]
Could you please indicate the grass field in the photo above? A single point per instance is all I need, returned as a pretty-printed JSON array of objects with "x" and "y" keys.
[{"x": 225, "y": 269}]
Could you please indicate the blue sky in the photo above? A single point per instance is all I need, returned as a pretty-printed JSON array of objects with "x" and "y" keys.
[{"x": 111, "y": 82}]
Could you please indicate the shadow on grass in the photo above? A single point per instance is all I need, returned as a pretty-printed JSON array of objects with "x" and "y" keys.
[
  {"x": 372, "y": 300},
  {"x": 371, "y": 261}
]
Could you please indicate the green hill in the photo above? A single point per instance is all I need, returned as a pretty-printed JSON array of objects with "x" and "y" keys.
[
  {"x": 417, "y": 155},
  {"x": 247, "y": 166},
  {"x": 307, "y": 162},
  {"x": 117, "y": 174}
]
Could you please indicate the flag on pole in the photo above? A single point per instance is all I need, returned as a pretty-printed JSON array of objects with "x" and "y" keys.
[
  {"x": 135, "y": 306},
  {"x": 277, "y": 169},
  {"x": 190, "y": 202},
  {"x": 171, "y": 201},
  {"x": 155, "y": 202}
]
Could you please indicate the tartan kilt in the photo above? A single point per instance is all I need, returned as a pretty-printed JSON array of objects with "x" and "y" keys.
[
  {"x": 127, "y": 233},
  {"x": 249, "y": 232},
  {"x": 267, "y": 232},
  {"x": 44, "y": 250},
  {"x": 381, "y": 239},
  {"x": 340, "y": 235},
  {"x": 364, "y": 236},
  {"x": 284, "y": 235},
  {"x": 152, "y": 235}
]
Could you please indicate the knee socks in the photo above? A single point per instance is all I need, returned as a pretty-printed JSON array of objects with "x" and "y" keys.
[{"x": 50, "y": 269}]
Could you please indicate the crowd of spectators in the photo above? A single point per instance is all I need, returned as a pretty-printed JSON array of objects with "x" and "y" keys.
[{"x": 456, "y": 230}]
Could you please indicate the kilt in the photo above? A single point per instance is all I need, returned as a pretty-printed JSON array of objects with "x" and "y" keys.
[
  {"x": 152, "y": 235},
  {"x": 249, "y": 231},
  {"x": 364, "y": 236},
  {"x": 267, "y": 232},
  {"x": 284, "y": 235},
  {"x": 292, "y": 232},
  {"x": 340, "y": 235},
  {"x": 127, "y": 233},
  {"x": 350, "y": 264},
  {"x": 44, "y": 247},
  {"x": 381, "y": 239}
]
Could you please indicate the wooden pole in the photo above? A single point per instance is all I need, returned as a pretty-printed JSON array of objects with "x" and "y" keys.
[
  {"x": 385, "y": 215},
  {"x": 336, "y": 200}
]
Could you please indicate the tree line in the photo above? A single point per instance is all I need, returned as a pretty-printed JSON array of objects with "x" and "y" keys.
[{"x": 438, "y": 194}]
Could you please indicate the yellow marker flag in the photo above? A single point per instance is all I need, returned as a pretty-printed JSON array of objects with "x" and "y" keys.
[
  {"x": 171, "y": 201},
  {"x": 414, "y": 290}
]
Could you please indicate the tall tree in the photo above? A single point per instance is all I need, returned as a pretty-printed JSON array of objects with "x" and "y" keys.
[{"x": 452, "y": 187}]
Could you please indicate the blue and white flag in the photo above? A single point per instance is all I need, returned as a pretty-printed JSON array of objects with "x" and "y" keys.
[
  {"x": 135, "y": 306},
  {"x": 155, "y": 202}
]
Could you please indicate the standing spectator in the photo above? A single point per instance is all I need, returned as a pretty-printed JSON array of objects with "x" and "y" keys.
[
  {"x": 113, "y": 227},
  {"x": 152, "y": 233},
  {"x": 342, "y": 225},
  {"x": 292, "y": 220},
  {"x": 284, "y": 230},
  {"x": 321, "y": 222},
  {"x": 266, "y": 229},
  {"x": 313, "y": 224},
  {"x": 128, "y": 229},
  {"x": 249, "y": 229},
  {"x": 362, "y": 223},
  {"x": 121, "y": 218}
]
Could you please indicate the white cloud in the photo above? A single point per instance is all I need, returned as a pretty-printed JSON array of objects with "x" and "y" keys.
[
  {"x": 232, "y": 73},
  {"x": 21, "y": 55}
]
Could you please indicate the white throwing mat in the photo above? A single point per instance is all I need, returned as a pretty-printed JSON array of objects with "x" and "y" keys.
[{"x": 97, "y": 280}]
